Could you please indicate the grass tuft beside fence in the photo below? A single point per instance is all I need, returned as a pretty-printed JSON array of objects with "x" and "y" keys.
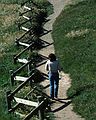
[{"x": 74, "y": 36}]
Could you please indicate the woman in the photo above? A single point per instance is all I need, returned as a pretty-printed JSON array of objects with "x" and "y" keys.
[{"x": 52, "y": 66}]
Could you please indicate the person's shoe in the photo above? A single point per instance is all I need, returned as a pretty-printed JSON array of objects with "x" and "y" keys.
[
  {"x": 52, "y": 98},
  {"x": 56, "y": 98}
]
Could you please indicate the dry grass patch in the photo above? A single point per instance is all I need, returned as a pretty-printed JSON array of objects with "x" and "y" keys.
[
  {"x": 8, "y": 29},
  {"x": 8, "y": 19},
  {"x": 8, "y": 14},
  {"x": 77, "y": 33},
  {"x": 9, "y": 7}
]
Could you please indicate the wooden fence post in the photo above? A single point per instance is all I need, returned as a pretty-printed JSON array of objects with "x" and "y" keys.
[
  {"x": 17, "y": 42},
  {"x": 12, "y": 77},
  {"x": 14, "y": 59},
  {"x": 41, "y": 111},
  {"x": 19, "y": 25},
  {"x": 29, "y": 73},
  {"x": 8, "y": 99}
]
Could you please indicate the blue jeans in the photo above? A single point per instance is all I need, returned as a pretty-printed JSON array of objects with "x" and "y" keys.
[{"x": 54, "y": 83}]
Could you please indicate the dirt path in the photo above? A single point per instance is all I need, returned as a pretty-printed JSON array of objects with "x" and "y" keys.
[{"x": 62, "y": 109}]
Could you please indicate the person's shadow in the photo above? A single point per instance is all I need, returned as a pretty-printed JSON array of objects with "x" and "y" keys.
[{"x": 60, "y": 105}]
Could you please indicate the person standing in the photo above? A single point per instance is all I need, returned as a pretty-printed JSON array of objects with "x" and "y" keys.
[{"x": 53, "y": 68}]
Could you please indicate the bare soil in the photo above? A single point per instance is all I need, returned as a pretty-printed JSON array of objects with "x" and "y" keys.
[{"x": 62, "y": 108}]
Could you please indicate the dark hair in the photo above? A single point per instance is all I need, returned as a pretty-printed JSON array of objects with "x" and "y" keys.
[{"x": 52, "y": 57}]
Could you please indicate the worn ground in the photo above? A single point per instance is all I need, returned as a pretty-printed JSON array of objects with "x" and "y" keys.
[{"x": 62, "y": 109}]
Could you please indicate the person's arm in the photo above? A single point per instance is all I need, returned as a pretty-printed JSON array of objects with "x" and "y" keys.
[
  {"x": 59, "y": 67},
  {"x": 46, "y": 66}
]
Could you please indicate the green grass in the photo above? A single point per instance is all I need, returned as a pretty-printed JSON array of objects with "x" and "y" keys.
[
  {"x": 9, "y": 10},
  {"x": 74, "y": 37}
]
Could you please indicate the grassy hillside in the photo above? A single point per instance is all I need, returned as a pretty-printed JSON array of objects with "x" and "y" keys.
[
  {"x": 74, "y": 37},
  {"x": 9, "y": 10}
]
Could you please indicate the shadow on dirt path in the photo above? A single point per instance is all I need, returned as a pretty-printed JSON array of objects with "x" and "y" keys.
[{"x": 62, "y": 108}]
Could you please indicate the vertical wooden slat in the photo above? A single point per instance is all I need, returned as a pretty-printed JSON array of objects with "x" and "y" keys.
[
  {"x": 41, "y": 111},
  {"x": 8, "y": 100}
]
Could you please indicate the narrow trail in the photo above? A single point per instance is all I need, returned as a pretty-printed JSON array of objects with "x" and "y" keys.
[{"x": 62, "y": 109}]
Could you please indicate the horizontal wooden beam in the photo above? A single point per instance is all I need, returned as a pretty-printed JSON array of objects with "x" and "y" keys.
[
  {"x": 20, "y": 86},
  {"x": 19, "y": 78},
  {"x": 17, "y": 39},
  {"x": 26, "y": 102},
  {"x": 22, "y": 61},
  {"x": 17, "y": 105},
  {"x": 27, "y": 8},
  {"x": 20, "y": 68},
  {"x": 24, "y": 28},
  {"x": 34, "y": 111},
  {"x": 15, "y": 57},
  {"x": 23, "y": 44},
  {"x": 24, "y": 12},
  {"x": 26, "y": 17}
]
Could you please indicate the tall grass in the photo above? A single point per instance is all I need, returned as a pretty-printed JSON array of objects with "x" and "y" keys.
[{"x": 75, "y": 43}]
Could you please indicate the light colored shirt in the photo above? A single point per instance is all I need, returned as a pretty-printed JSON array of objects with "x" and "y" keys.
[{"x": 52, "y": 66}]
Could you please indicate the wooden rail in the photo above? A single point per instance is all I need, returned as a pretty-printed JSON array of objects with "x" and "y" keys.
[
  {"x": 24, "y": 28},
  {"x": 17, "y": 105},
  {"x": 17, "y": 39},
  {"x": 20, "y": 14},
  {"x": 26, "y": 44},
  {"x": 19, "y": 54},
  {"x": 27, "y": 18},
  {"x": 39, "y": 106},
  {"x": 23, "y": 44},
  {"x": 21, "y": 85},
  {"x": 27, "y": 8},
  {"x": 20, "y": 24},
  {"x": 19, "y": 69},
  {"x": 11, "y": 94},
  {"x": 20, "y": 78},
  {"x": 26, "y": 102}
]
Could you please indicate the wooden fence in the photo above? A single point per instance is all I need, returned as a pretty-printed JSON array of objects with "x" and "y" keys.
[
  {"x": 40, "y": 106},
  {"x": 42, "y": 102}
]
